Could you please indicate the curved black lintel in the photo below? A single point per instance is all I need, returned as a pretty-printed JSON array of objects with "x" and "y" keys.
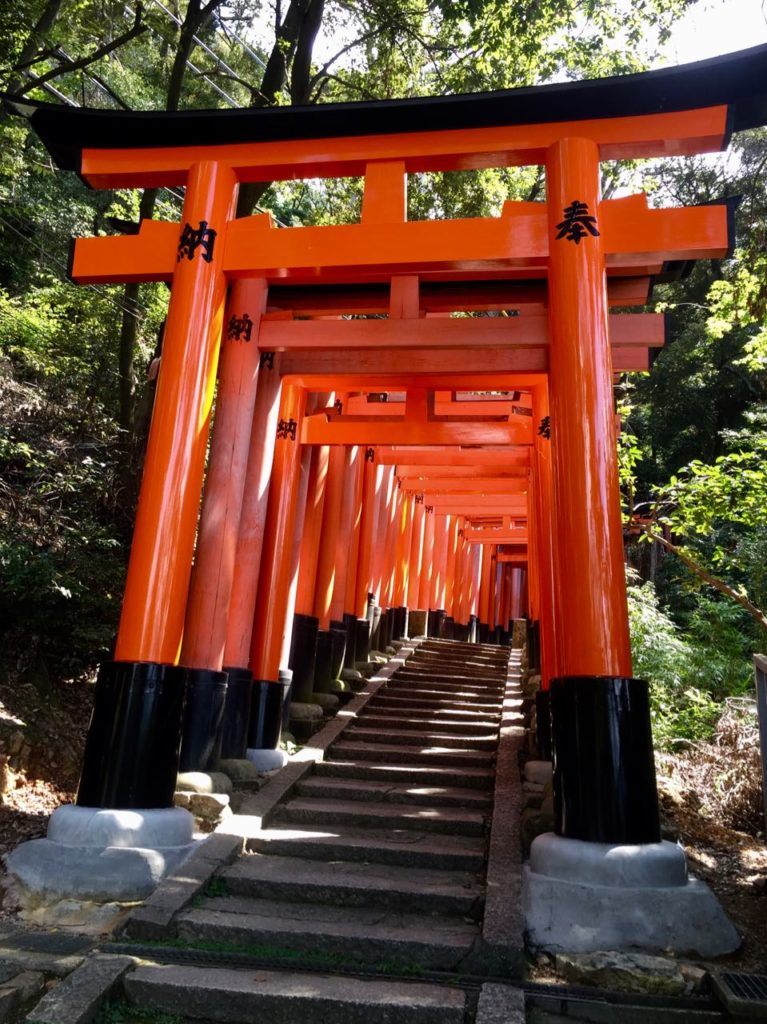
[{"x": 738, "y": 80}]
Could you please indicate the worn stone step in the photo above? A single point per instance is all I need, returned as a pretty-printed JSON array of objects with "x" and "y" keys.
[
  {"x": 426, "y": 775},
  {"x": 472, "y": 697},
  {"x": 447, "y": 684},
  {"x": 228, "y": 996},
  {"x": 403, "y": 700},
  {"x": 387, "y": 792},
  {"x": 350, "y": 884},
  {"x": 334, "y": 813},
  {"x": 421, "y": 740},
  {"x": 373, "y": 717},
  {"x": 379, "y": 846},
  {"x": 426, "y": 715},
  {"x": 366, "y": 935},
  {"x": 391, "y": 753}
]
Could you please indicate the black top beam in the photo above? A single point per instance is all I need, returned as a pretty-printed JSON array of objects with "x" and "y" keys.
[{"x": 738, "y": 80}]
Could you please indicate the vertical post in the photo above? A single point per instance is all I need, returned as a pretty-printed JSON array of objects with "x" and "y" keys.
[
  {"x": 131, "y": 753},
  {"x": 428, "y": 556},
  {"x": 367, "y": 524},
  {"x": 604, "y": 777},
  {"x": 247, "y": 562},
  {"x": 213, "y": 573}
]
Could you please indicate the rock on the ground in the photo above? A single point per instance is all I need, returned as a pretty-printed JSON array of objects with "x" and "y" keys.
[
  {"x": 539, "y": 772},
  {"x": 209, "y": 806},
  {"x": 86, "y": 916},
  {"x": 203, "y": 782},
  {"x": 301, "y": 712},
  {"x": 238, "y": 769},
  {"x": 626, "y": 972}
]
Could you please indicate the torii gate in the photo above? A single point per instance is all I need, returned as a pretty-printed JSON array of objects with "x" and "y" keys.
[{"x": 559, "y": 265}]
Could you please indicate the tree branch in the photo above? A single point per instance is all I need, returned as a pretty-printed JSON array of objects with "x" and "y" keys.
[
  {"x": 82, "y": 62},
  {"x": 724, "y": 588}
]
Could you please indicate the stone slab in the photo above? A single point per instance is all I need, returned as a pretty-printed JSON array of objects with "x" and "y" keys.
[
  {"x": 77, "y": 998},
  {"x": 500, "y": 1004},
  {"x": 219, "y": 995},
  {"x": 502, "y": 946},
  {"x": 367, "y": 934},
  {"x": 203, "y": 782},
  {"x": 450, "y": 820},
  {"x": 349, "y": 883}
]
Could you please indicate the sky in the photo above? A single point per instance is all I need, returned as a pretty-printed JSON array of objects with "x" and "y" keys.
[{"x": 712, "y": 27}]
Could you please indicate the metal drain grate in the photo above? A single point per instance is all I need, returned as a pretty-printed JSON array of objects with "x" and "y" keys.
[{"x": 743, "y": 994}]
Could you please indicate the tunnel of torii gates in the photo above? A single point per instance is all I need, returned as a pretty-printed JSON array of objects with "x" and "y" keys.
[{"x": 380, "y": 457}]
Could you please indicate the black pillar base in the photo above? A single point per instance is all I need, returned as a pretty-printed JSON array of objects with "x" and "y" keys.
[
  {"x": 375, "y": 628},
  {"x": 131, "y": 752},
  {"x": 604, "y": 772},
  {"x": 350, "y": 654},
  {"x": 473, "y": 629},
  {"x": 543, "y": 724},
  {"x": 303, "y": 655},
  {"x": 533, "y": 646},
  {"x": 234, "y": 734},
  {"x": 362, "y": 639},
  {"x": 337, "y": 652},
  {"x": 267, "y": 712},
  {"x": 484, "y": 633},
  {"x": 322, "y": 674},
  {"x": 496, "y": 635},
  {"x": 201, "y": 733}
]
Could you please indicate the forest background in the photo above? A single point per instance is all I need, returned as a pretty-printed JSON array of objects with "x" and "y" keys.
[{"x": 75, "y": 398}]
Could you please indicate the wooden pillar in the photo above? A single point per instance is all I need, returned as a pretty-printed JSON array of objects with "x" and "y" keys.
[
  {"x": 604, "y": 778},
  {"x": 424, "y": 591},
  {"x": 371, "y": 482},
  {"x": 416, "y": 554},
  {"x": 210, "y": 590}
]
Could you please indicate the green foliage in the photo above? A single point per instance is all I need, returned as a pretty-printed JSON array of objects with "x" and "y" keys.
[{"x": 690, "y": 675}]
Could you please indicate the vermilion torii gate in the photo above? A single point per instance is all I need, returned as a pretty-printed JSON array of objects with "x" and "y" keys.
[{"x": 558, "y": 266}]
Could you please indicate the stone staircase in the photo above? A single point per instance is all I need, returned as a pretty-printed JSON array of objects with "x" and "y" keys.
[{"x": 372, "y": 869}]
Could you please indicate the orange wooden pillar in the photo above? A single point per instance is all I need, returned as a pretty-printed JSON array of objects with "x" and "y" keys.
[
  {"x": 402, "y": 565},
  {"x": 543, "y": 512},
  {"x": 274, "y": 582},
  {"x": 416, "y": 554},
  {"x": 247, "y": 562},
  {"x": 157, "y": 584},
  {"x": 372, "y": 481},
  {"x": 604, "y": 781},
  {"x": 424, "y": 591},
  {"x": 484, "y": 591},
  {"x": 210, "y": 591}
]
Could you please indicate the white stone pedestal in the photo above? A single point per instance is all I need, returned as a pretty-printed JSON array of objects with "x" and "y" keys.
[{"x": 581, "y": 897}]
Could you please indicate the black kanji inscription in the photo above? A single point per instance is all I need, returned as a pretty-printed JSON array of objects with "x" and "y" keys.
[
  {"x": 191, "y": 240},
  {"x": 287, "y": 428},
  {"x": 239, "y": 328},
  {"x": 266, "y": 361},
  {"x": 370, "y": 455},
  {"x": 578, "y": 223},
  {"x": 544, "y": 429}
]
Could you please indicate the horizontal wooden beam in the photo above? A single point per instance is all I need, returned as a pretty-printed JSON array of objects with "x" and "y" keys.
[{"x": 478, "y": 485}]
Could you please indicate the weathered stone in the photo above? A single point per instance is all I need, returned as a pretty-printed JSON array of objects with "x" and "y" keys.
[
  {"x": 203, "y": 782},
  {"x": 209, "y": 806},
  {"x": 301, "y": 712},
  {"x": 79, "y": 996},
  {"x": 539, "y": 772},
  {"x": 181, "y": 799},
  {"x": 326, "y": 701},
  {"x": 500, "y": 1004},
  {"x": 238, "y": 769},
  {"x": 624, "y": 972},
  {"x": 28, "y": 984},
  {"x": 86, "y": 916},
  {"x": 9, "y": 1000},
  {"x": 695, "y": 978}
]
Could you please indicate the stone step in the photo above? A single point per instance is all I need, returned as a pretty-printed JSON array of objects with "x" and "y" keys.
[
  {"x": 403, "y": 700},
  {"x": 340, "y": 813},
  {"x": 463, "y": 715},
  {"x": 372, "y": 717},
  {"x": 368, "y": 935},
  {"x": 471, "y": 697},
  {"x": 394, "y": 792},
  {"x": 351, "y": 884},
  {"x": 380, "y": 846},
  {"x": 229, "y": 996},
  {"x": 481, "y": 779},
  {"x": 391, "y": 753},
  {"x": 421, "y": 739},
  {"x": 449, "y": 683}
]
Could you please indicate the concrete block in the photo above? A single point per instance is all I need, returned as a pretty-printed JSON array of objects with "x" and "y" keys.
[
  {"x": 500, "y": 1004},
  {"x": 606, "y": 864},
  {"x": 238, "y": 769},
  {"x": 77, "y": 999},
  {"x": 75, "y": 826}
]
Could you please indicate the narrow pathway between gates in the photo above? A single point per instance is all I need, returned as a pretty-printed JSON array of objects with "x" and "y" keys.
[{"x": 369, "y": 876}]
